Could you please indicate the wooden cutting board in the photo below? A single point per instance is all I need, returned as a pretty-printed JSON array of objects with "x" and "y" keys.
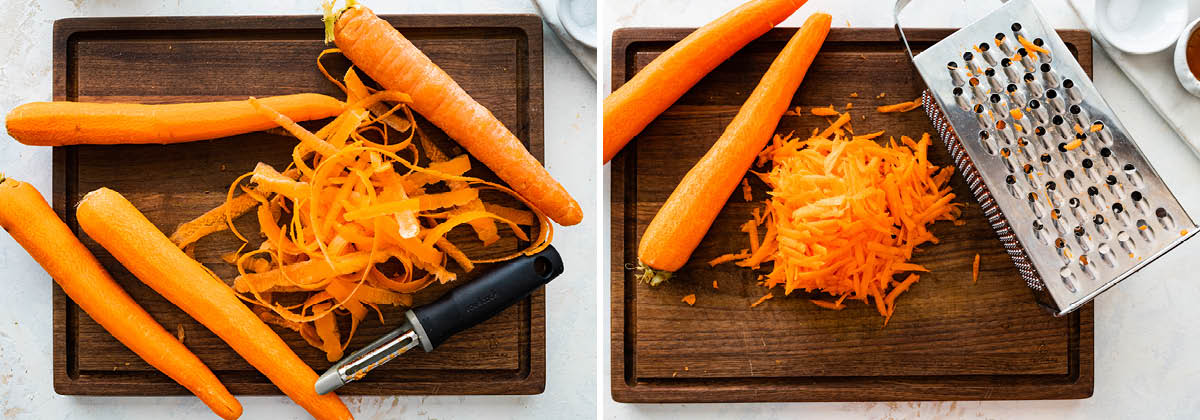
[
  {"x": 948, "y": 340},
  {"x": 496, "y": 58}
]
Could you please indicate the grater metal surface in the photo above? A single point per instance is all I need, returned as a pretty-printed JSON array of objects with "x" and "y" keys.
[{"x": 1072, "y": 198}]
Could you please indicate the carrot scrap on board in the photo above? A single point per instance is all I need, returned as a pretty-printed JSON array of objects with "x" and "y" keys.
[
  {"x": 715, "y": 285},
  {"x": 846, "y": 214},
  {"x": 1074, "y": 144},
  {"x": 837, "y": 306},
  {"x": 827, "y": 111},
  {"x": 727, "y": 258},
  {"x": 760, "y": 300},
  {"x": 689, "y": 299},
  {"x": 746, "y": 192},
  {"x": 901, "y": 107},
  {"x": 975, "y": 270},
  {"x": 355, "y": 222},
  {"x": 853, "y": 94}
]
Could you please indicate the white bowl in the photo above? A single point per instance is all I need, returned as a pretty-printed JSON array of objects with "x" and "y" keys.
[
  {"x": 1141, "y": 26},
  {"x": 578, "y": 17},
  {"x": 1186, "y": 77}
]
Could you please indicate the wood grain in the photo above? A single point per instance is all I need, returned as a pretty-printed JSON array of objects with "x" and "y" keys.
[
  {"x": 496, "y": 58},
  {"x": 949, "y": 338}
]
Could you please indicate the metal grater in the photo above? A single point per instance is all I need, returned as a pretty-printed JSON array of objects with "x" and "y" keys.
[{"x": 1075, "y": 219}]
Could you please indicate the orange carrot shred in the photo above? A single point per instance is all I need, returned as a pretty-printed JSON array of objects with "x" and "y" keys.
[
  {"x": 760, "y": 300},
  {"x": 689, "y": 299},
  {"x": 824, "y": 111},
  {"x": 901, "y": 107},
  {"x": 715, "y": 285},
  {"x": 837, "y": 306},
  {"x": 975, "y": 270},
  {"x": 746, "y": 193}
]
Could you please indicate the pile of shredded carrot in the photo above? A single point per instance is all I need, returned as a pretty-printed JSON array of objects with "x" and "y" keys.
[
  {"x": 846, "y": 214},
  {"x": 355, "y": 221}
]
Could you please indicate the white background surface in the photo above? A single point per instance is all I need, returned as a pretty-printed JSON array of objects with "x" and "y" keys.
[
  {"x": 1145, "y": 341},
  {"x": 25, "y": 329}
]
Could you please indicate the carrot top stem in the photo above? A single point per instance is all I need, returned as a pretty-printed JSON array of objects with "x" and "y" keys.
[{"x": 652, "y": 276}]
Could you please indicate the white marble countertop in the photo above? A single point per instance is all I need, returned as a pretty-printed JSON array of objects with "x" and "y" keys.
[
  {"x": 1146, "y": 354},
  {"x": 25, "y": 336}
]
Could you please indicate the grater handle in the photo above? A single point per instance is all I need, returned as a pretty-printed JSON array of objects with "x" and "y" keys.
[{"x": 899, "y": 7}]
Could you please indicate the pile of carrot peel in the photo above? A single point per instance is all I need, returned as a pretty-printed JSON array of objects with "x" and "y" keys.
[
  {"x": 356, "y": 221},
  {"x": 846, "y": 214}
]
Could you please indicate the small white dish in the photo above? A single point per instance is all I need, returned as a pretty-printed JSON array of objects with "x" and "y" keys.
[
  {"x": 578, "y": 17},
  {"x": 1186, "y": 77},
  {"x": 1141, "y": 26}
]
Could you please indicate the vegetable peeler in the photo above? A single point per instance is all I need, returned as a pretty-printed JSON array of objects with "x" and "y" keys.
[
  {"x": 464, "y": 307},
  {"x": 1072, "y": 198}
]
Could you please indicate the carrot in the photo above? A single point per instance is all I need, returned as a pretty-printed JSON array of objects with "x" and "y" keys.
[
  {"x": 684, "y": 219},
  {"x": 389, "y": 58},
  {"x": 120, "y": 228},
  {"x": 760, "y": 300},
  {"x": 837, "y": 306},
  {"x": 33, "y": 224},
  {"x": 975, "y": 270},
  {"x": 901, "y": 107},
  {"x": 67, "y": 123},
  {"x": 848, "y": 213},
  {"x": 652, "y": 90},
  {"x": 827, "y": 111},
  {"x": 689, "y": 299}
]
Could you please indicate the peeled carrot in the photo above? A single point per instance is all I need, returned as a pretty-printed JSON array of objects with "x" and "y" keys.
[
  {"x": 125, "y": 232},
  {"x": 689, "y": 212},
  {"x": 67, "y": 123},
  {"x": 32, "y": 223},
  {"x": 653, "y": 89},
  {"x": 389, "y": 58}
]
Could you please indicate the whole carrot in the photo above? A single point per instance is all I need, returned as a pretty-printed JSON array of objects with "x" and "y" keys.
[
  {"x": 653, "y": 89},
  {"x": 689, "y": 212},
  {"x": 67, "y": 123},
  {"x": 120, "y": 228},
  {"x": 31, "y": 222},
  {"x": 389, "y": 58}
]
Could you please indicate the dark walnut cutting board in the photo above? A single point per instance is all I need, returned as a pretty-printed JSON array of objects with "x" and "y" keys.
[
  {"x": 497, "y": 59},
  {"x": 949, "y": 339}
]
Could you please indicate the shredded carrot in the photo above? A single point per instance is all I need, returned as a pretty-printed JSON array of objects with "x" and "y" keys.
[
  {"x": 1031, "y": 47},
  {"x": 727, "y": 258},
  {"x": 1097, "y": 127},
  {"x": 352, "y": 201},
  {"x": 746, "y": 193},
  {"x": 824, "y": 111},
  {"x": 689, "y": 299},
  {"x": 853, "y": 94},
  {"x": 715, "y": 283},
  {"x": 1074, "y": 144},
  {"x": 846, "y": 214},
  {"x": 1016, "y": 114},
  {"x": 975, "y": 270},
  {"x": 849, "y": 105},
  {"x": 901, "y": 107},
  {"x": 881, "y": 95},
  {"x": 760, "y": 300},
  {"x": 837, "y": 306}
]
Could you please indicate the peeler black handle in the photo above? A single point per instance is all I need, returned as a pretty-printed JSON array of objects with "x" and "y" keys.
[{"x": 479, "y": 300}]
